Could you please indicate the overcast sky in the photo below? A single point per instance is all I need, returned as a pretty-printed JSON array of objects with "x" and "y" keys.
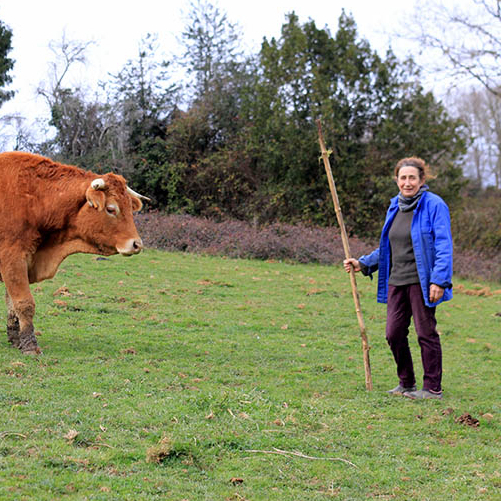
[{"x": 117, "y": 26}]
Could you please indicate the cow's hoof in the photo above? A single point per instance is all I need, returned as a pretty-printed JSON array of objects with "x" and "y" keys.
[
  {"x": 30, "y": 348},
  {"x": 32, "y": 351},
  {"x": 28, "y": 343}
]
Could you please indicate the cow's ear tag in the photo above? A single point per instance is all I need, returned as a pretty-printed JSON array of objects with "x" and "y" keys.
[{"x": 95, "y": 198}]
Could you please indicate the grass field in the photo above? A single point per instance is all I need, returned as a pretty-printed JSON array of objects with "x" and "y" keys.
[{"x": 179, "y": 377}]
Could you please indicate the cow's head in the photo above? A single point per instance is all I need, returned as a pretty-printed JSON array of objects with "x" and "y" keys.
[{"x": 106, "y": 220}]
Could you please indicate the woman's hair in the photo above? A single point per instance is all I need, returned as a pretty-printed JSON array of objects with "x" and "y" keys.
[{"x": 423, "y": 168}]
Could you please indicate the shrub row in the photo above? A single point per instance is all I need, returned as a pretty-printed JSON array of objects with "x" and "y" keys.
[
  {"x": 476, "y": 223},
  {"x": 295, "y": 243}
]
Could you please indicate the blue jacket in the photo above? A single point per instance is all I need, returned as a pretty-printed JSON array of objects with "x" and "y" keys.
[{"x": 432, "y": 243}]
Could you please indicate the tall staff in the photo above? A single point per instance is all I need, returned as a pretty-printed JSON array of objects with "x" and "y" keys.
[{"x": 346, "y": 246}]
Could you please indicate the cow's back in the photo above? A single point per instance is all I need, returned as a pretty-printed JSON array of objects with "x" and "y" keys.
[
  {"x": 35, "y": 193},
  {"x": 29, "y": 172}
]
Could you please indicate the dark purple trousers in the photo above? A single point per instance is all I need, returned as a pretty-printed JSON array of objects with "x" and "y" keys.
[{"x": 404, "y": 302}]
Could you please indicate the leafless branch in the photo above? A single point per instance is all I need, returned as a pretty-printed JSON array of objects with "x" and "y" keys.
[
  {"x": 11, "y": 433},
  {"x": 300, "y": 455},
  {"x": 465, "y": 37}
]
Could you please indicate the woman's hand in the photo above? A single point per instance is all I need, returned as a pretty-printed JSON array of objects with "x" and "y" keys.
[
  {"x": 348, "y": 263},
  {"x": 436, "y": 293}
]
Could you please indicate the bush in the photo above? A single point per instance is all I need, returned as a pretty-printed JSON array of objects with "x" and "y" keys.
[
  {"x": 476, "y": 224},
  {"x": 477, "y": 266},
  {"x": 238, "y": 239},
  {"x": 298, "y": 243}
]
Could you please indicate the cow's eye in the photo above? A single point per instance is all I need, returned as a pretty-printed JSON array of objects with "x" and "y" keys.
[{"x": 112, "y": 210}]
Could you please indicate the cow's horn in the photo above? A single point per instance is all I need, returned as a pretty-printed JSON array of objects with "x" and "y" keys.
[
  {"x": 137, "y": 195},
  {"x": 98, "y": 184}
]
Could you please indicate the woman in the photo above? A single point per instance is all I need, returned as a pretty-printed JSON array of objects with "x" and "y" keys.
[{"x": 414, "y": 259}]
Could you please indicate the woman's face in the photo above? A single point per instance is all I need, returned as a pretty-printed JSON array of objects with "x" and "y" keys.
[{"x": 408, "y": 181}]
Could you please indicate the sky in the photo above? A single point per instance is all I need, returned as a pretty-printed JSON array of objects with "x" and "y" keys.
[{"x": 117, "y": 27}]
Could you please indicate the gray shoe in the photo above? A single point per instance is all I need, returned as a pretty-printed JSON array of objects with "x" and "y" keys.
[
  {"x": 401, "y": 390},
  {"x": 422, "y": 394}
]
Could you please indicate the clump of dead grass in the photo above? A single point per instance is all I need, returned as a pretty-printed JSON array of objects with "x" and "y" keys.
[{"x": 160, "y": 452}]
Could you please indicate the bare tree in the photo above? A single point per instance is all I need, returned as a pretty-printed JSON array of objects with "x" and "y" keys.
[
  {"x": 493, "y": 116},
  {"x": 81, "y": 122},
  {"x": 67, "y": 54},
  {"x": 16, "y": 134},
  {"x": 458, "y": 39},
  {"x": 461, "y": 41},
  {"x": 480, "y": 111}
]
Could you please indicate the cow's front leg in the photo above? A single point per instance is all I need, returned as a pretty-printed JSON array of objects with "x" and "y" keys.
[
  {"x": 12, "y": 322},
  {"x": 15, "y": 276},
  {"x": 25, "y": 309}
]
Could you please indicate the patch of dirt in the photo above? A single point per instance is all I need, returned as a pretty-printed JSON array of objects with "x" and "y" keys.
[
  {"x": 62, "y": 291},
  {"x": 448, "y": 411},
  {"x": 480, "y": 291},
  {"x": 128, "y": 351}
]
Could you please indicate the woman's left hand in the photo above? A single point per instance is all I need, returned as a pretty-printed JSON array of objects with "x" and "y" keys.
[{"x": 436, "y": 293}]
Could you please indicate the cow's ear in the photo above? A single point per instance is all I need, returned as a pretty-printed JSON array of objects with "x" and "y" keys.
[
  {"x": 95, "y": 198},
  {"x": 137, "y": 205}
]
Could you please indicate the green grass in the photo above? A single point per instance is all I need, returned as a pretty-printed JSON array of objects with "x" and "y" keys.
[{"x": 162, "y": 372}]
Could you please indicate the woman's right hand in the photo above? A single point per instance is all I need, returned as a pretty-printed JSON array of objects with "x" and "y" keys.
[{"x": 348, "y": 263}]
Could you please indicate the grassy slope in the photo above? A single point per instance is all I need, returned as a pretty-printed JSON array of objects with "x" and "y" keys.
[{"x": 192, "y": 362}]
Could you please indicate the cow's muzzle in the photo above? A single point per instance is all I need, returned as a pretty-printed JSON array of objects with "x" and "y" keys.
[{"x": 132, "y": 246}]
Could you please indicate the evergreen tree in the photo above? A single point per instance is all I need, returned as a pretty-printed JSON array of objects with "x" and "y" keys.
[
  {"x": 6, "y": 63},
  {"x": 143, "y": 102},
  {"x": 209, "y": 174},
  {"x": 372, "y": 112}
]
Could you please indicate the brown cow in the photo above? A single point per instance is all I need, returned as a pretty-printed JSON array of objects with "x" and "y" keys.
[{"x": 47, "y": 212}]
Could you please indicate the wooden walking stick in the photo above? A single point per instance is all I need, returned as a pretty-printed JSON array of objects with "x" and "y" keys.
[{"x": 346, "y": 246}]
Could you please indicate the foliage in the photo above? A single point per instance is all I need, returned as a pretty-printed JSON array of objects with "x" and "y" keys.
[
  {"x": 143, "y": 98},
  {"x": 81, "y": 127},
  {"x": 211, "y": 48},
  {"x": 476, "y": 223},
  {"x": 6, "y": 63},
  {"x": 373, "y": 112},
  {"x": 239, "y": 139},
  {"x": 177, "y": 377}
]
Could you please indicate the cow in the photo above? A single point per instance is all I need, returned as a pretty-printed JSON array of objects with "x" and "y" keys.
[{"x": 48, "y": 211}]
